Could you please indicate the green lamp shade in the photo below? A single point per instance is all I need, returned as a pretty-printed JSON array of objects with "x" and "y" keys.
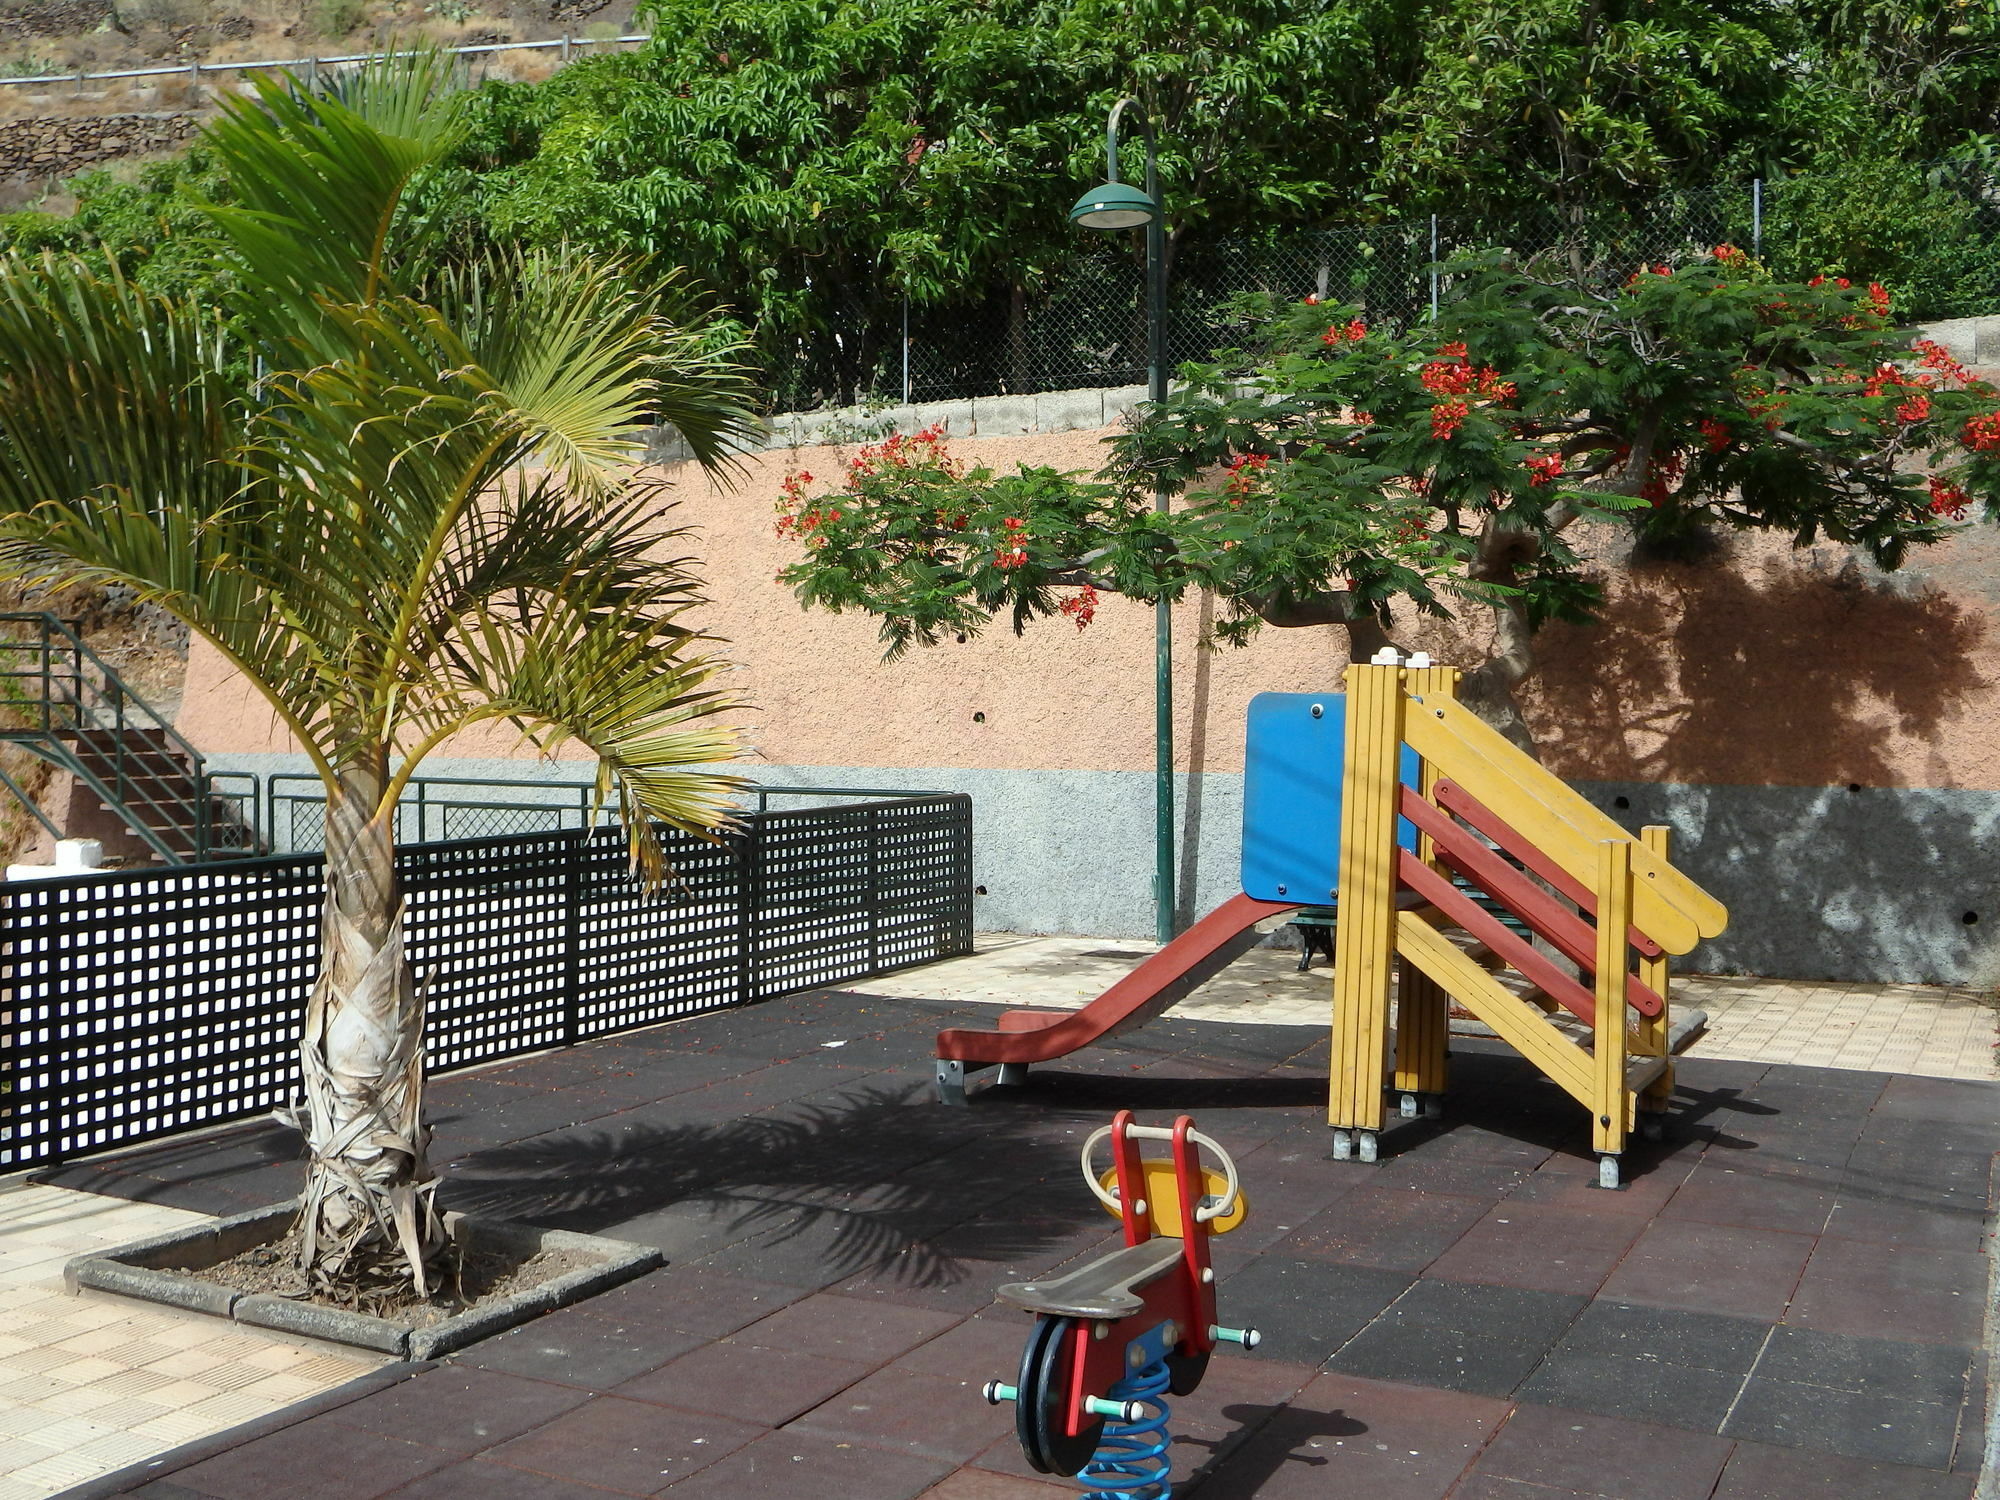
[{"x": 1114, "y": 205}]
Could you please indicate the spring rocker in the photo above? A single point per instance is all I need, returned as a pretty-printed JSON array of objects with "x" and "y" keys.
[{"x": 1112, "y": 1339}]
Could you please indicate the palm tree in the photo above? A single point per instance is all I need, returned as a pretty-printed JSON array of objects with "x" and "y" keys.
[{"x": 397, "y": 493}]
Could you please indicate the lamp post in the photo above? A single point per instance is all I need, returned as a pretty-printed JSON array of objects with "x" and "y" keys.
[{"x": 1119, "y": 205}]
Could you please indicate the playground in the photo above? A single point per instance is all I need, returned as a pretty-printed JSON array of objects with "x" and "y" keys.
[
  {"x": 1787, "y": 1300},
  {"x": 1491, "y": 1236}
]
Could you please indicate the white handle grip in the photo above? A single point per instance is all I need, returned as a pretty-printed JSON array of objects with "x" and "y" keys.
[{"x": 1204, "y": 1211}]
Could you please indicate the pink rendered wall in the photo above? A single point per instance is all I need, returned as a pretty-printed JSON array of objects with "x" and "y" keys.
[{"x": 1773, "y": 666}]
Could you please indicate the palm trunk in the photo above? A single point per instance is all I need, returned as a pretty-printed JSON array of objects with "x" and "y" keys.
[{"x": 369, "y": 1222}]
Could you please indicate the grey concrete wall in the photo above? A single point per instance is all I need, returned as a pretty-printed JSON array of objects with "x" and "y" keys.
[
  {"x": 1055, "y": 851},
  {"x": 1821, "y": 883},
  {"x": 1863, "y": 884}
]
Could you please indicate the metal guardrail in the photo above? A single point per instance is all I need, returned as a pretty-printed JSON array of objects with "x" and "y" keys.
[
  {"x": 82, "y": 717},
  {"x": 437, "y": 809},
  {"x": 312, "y": 65}
]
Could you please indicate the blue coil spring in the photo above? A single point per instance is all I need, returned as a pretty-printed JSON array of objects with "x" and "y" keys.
[{"x": 1131, "y": 1462}]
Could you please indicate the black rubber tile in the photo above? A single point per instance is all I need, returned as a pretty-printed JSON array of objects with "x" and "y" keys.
[
  {"x": 1888, "y": 1212},
  {"x": 1671, "y": 1395},
  {"x": 1677, "y": 1368},
  {"x": 1484, "y": 1340},
  {"x": 1961, "y": 1101},
  {"x": 1306, "y": 1309},
  {"x": 1664, "y": 1336},
  {"x": 1933, "y": 1373},
  {"x": 1756, "y": 1471},
  {"x": 1877, "y": 1424}
]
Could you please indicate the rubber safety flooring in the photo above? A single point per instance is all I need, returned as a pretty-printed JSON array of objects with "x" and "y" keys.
[{"x": 1787, "y": 1301}]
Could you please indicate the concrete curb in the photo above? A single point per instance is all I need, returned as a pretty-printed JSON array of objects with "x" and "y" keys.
[
  {"x": 166, "y": 1268},
  {"x": 132, "y": 1476}
]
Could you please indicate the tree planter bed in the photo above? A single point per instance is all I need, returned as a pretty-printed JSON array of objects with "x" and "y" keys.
[{"x": 166, "y": 1268}]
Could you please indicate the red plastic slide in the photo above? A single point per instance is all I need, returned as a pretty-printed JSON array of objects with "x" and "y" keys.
[{"x": 1032, "y": 1036}]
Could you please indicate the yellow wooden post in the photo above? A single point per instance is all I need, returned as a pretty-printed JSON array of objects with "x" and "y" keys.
[
  {"x": 1612, "y": 1105},
  {"x": 1423, "y": 1008},
  {"x": 1654, "y": 1032},
  {"x": 1364, "y": 940}
]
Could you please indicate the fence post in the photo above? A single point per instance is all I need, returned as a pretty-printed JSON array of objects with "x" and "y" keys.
[
  {"x": 565, "y": 47},
  {"x": 572, "y": 919},
  {"x": 906, "y": 349},
  {"x": 1434, "y": 269},
  {"x": 749, "y": 885},
  {"x": 1757, "y": 217},
  {"x": 874, "y": 891}
]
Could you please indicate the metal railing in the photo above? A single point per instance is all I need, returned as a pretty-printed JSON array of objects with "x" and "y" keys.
[
  {"x": 65, "y": 704},
  {"x": 144, "y": 1003},
  {"x": 195, "y": 70},
  {"x": 437, "y": 809}
]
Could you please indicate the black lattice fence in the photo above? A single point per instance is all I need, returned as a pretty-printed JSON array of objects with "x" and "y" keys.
[{"x": 142, "y": 1004}]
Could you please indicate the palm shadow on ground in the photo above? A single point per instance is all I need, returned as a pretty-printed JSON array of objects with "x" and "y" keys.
[{"x": 877, "y": 1180}]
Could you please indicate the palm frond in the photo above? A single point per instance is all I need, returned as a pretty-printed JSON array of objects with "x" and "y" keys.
[
  {"x": 580, "y": 353},
  {"x": 320, "y": 181}
]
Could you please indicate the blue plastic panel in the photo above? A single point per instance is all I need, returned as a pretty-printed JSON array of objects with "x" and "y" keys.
[{"x": 1294, "y": 752}]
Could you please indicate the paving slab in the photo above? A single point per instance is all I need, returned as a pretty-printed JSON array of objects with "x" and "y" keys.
[{"x": 1770, "y": 1308}]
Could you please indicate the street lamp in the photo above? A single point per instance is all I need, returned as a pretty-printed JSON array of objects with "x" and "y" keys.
[{"x": 1119, "y": 205}]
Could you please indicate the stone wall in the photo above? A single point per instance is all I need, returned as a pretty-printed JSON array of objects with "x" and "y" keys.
[{"x": 51, "y": 147}]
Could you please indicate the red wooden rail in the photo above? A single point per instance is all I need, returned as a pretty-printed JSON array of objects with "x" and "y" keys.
[
  {"x": 1547, "y": 917},
  {"x": 1454, "y": 798}
]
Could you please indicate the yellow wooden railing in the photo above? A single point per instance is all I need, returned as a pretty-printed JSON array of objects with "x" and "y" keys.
[{"x": 1390, "y": 941}]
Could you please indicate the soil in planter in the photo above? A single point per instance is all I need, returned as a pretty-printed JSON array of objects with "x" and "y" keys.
[{"x": 472, "y": 1278}]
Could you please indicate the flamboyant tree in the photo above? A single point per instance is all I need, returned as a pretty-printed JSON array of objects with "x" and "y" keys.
[{"x": 1348, "y": 474}]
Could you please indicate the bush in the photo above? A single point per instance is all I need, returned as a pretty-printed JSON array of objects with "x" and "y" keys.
[
  {"x": 1935, "y": 245},
  {"x": 335, "y": 18}
]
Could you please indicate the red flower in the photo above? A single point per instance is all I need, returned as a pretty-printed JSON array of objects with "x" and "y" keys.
[
  {"x": 1947, "y": 499},
  {"x": 1445, "y": 419},
  {"x": 1243, "y": 472},
  {"x": 1081, "y": 606},
  {"x": 1982, "y": 434},
  {"x": 1937, "y": 357},
  {"x": 1916, "y": 409},
  {"x": 1662, "y": 474},
  {"x": 1717, "y": 433},
  {"x": 1543, "y": 467},
  {"x": 1878, "y": 299}
]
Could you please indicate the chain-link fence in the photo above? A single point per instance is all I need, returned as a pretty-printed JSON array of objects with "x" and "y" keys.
[{"x": 1087, "y": 326}]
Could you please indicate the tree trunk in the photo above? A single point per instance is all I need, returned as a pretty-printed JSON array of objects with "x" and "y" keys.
[{"x": 369, "y": 1222}]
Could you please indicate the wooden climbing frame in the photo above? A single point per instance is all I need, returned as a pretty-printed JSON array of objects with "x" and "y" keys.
[{"x": 1608, "y": 911}]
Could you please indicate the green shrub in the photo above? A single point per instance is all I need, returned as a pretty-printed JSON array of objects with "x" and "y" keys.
[
  {"x": 1878, "y": 218},
  {"x": 335, "y": 18}
]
